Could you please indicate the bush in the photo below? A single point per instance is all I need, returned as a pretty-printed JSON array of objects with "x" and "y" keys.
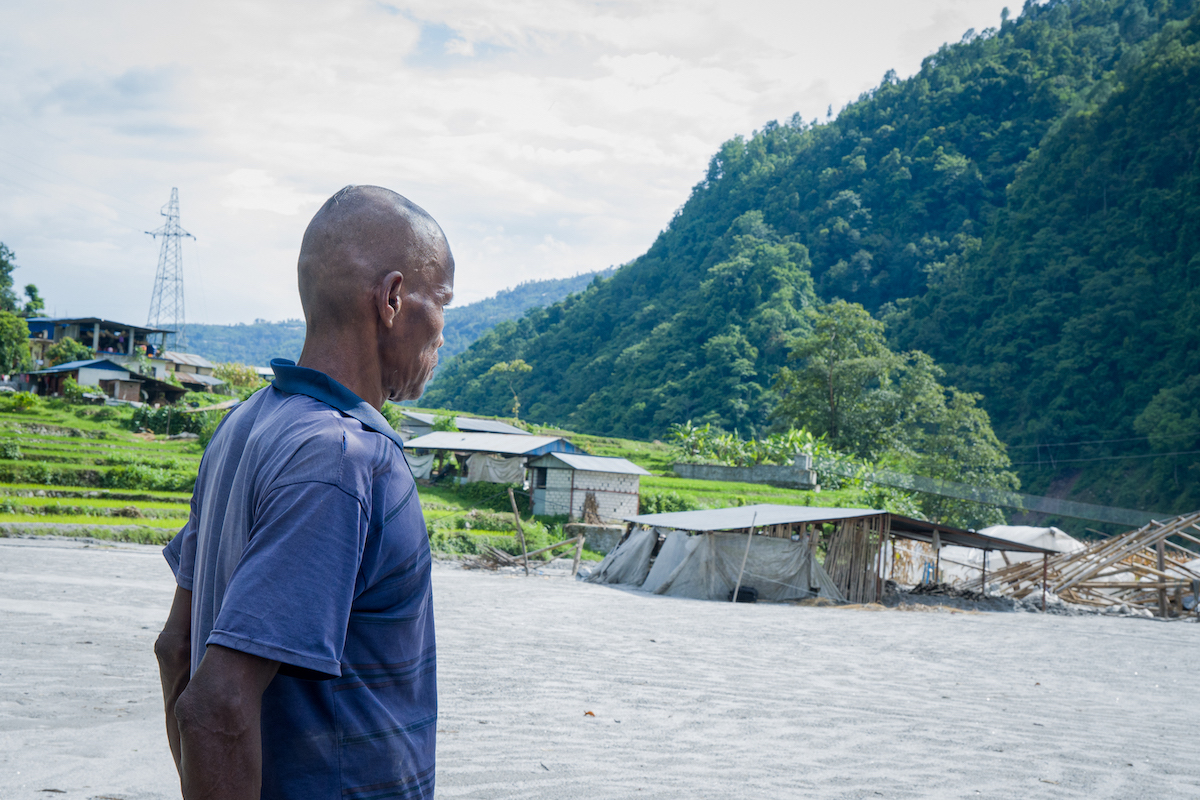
[
  {"x": 9, "y": 450},
  {"x": 492, "y": 496},
  {"x": 443, "y": 541},
  {"x": 158, "y": 420},
  {"x": 665, "y": 502},
  {"x": 141, "y": 476},
  {"x": 73, "y": 392},
  {"x": 22, "y": 401}
]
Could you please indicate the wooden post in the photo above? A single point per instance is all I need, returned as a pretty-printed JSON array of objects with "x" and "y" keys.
[
  {"x": 937, "y": 557},
  {"x": 520, "y": 532},
  {"x": 1161, "y": 549},
  {"x": 578, "y": 555},
  {"x": 1045, "y": 572},
  {"x": 749, "y": 537},
  {"x": 983, "y": 582}
]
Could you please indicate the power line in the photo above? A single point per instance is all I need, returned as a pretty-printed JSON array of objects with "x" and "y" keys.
[
  {"x": 1055, "y": 462},
  {"x": 990, "y": 496},
  {"x": 1106, "y": 441}
]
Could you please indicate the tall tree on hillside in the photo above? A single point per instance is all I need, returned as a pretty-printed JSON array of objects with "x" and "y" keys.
[
  {"x": 843, "y": 385},
  {"x": 512, "y": 373},
  {"x": 34, "y": 304},
  {"x": 8, "y": 262},
  {"x": 849, "y": 386},
  {"x": 14, "y": 343}
]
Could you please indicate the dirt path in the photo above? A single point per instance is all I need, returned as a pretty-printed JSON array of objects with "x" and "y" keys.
[{"x": 691, "y": 699}]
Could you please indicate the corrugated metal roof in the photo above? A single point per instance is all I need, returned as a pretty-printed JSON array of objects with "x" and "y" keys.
[
  {"x": 196, "y": 377},
  {"x": 742, "y": 517},
  {"x": 619, "y": 466},
  {"x": 471, "y": 424},
  {"x": 191, "y": 359},
  {"x": 491, "y": 443},
  {"x": 106, "y": 323},
  {"x": 71, "y": 366}
]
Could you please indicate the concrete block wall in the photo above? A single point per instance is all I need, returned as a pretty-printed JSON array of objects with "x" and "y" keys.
[
  {"x": 790, "y": 476},
  {"x": 616, "y": 495}
]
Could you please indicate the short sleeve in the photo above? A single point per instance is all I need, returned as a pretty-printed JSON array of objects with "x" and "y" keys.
[
  {"x": 180, "y": 552},
  {"x": 289, "y": 598}
]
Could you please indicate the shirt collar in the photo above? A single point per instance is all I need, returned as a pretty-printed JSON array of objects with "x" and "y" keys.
[{"x": 319, "y": 386}]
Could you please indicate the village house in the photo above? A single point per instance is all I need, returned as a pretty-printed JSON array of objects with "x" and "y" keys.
[
  {"x": 583, "y": 487},
  {"x": 111, "y": 378},
  {"x": 118, "y": 342}
]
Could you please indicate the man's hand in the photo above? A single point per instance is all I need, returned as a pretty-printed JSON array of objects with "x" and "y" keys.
[
  {"x": 174, "y": 651},
  {"x": 219, "y": 719}
]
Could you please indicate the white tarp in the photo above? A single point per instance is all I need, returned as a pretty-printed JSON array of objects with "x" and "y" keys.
[
  {"x": 779, "y": 569},
  {"x": 629, "y": 562},
  {"x": 420, "y": 466},
  {"x": 670, "y": 556},
  {"x": 490, "y": 468},
  {"x": 960, "y": 564}
]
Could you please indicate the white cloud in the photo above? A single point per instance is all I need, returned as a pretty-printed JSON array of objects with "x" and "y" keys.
[
  {"x": 548, "y": 137},
  {"x": 254, "y": 190}
]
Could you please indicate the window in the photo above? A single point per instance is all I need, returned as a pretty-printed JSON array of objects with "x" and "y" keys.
[{"x": 539, "y": 477}]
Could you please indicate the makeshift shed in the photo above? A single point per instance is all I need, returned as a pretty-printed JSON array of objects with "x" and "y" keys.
[
  {"x": 590, "y": 488},
  {"x": 491, "y": 457},
  {"x": 414, "y": 424},
  {"x": 856, "y": 541},
  {"x": 960, "y": 564}
]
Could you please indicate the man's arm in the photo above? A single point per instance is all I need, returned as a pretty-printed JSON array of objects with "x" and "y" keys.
[
  {"x": 174, "y": 651},
  {"x": 219, "y": 718}
]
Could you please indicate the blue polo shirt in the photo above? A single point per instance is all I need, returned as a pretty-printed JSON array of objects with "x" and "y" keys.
[{"x": 306, "y": 545}]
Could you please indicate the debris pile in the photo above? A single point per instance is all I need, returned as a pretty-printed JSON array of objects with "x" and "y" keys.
[{"x": 1141, "y": 569}]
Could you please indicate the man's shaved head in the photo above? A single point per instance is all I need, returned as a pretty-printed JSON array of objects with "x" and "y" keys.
[
  {"x": 375, "y": 273},
  {"x": 361, "y": 234}
]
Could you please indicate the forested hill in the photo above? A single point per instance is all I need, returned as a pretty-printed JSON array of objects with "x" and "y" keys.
[
  {"x": 257, "y": 343},
  {"x": 1024, "y": 208},
  {"x": 465, "y": 324}
]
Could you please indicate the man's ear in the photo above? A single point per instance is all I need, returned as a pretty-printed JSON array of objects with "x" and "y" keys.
[{"x": 388, "y": 297}]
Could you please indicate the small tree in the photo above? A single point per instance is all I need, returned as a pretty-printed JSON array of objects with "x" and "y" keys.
[
  {"x": 445, "y": 422},
  {"x": 512, "y": 372},
  {"x": 66, "y": 350},
  {"x": 14, "y": 343},
  {"x": 238, "y": 376},
  {"x": 34, "y": 303}
]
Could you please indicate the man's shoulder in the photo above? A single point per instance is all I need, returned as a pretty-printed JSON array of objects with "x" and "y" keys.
[{"x": 309, "y": 440}]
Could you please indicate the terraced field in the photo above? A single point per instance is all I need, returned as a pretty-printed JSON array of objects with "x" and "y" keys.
[{"x": 80, "y": 471}]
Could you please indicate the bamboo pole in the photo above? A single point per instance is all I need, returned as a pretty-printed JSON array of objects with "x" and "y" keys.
[
  {"x": 1161, "y": 549},
  {"x": 520, "y": 532},
  {"x": 749, "y": 538},
  {"x": 578, "y": 555}
]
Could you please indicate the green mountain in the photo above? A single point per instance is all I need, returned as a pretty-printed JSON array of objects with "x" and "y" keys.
[
  {"x": 254, "y": 344},
  {"x": 465, "y": 324},
  {"x": 257, "y": 343},
  {"x": 1023, "y": 208}
]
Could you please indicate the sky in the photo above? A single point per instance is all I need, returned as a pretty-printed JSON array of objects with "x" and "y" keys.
[{"x": 547, "y": 138}]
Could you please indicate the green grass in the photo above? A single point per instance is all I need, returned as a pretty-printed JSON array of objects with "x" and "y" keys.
[
  {"x": 139, "y": 534},
  {"x": 87, "y": 519},
  {"x": 721, "y": 494},
  {"x": 19, "y": 489}
]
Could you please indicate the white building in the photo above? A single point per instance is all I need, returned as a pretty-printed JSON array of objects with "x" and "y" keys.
[{"x": 562, "y": 482}]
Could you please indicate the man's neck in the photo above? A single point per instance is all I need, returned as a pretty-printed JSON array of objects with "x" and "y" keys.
[{"x": 350, "y": 362}]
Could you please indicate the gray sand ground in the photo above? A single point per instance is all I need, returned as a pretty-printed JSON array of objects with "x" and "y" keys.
[{"x": 691, "y": 699}]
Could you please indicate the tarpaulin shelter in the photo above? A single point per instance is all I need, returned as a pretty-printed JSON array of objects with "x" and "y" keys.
[{"x": 778, "y": 544}]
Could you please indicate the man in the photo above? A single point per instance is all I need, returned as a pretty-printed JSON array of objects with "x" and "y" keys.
[{"x": 298, "y": 657}]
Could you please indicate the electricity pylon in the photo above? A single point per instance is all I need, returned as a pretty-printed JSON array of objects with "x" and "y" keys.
[{"x": 166, "y": 303}]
